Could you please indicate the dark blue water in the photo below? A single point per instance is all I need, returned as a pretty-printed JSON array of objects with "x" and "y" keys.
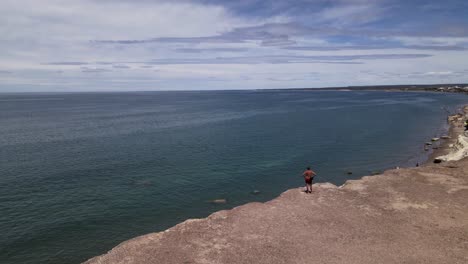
[{"x": 80, "y": 173}]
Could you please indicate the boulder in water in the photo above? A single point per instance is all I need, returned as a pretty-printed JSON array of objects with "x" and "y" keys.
[{"x": 219, "y": 201}]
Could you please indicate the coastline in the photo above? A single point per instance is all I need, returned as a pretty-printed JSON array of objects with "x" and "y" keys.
[
  {"x": 455, "y": 130},
  {"x": 412, "y": 214}
]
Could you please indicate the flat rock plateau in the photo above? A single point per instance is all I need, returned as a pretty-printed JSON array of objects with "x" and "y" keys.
[{"x": 412, "y": 215}]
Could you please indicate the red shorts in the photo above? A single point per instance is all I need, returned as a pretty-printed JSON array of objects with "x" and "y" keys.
[{"x": 309, "y": 181}]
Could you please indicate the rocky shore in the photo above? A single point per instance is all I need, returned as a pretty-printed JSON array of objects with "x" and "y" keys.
[
  {"x": 413, "y": 215},
  {"x": 456, "y": 147}
]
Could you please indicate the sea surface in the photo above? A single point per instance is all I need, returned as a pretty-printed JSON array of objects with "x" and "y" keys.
[{"x": 82, "y": 172}]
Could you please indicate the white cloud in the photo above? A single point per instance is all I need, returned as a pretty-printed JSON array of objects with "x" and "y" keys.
[
  {"x": 351, "y": 14},
  {"x": 84, "y": 20},
  {"x": 35, "y": 34},
  {"x": 435, "y": 41},
  {"x": 438, "y": 73}
]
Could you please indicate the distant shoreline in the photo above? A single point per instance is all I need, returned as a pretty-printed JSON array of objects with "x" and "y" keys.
[
  {"x": 446, "y": 88},
  {"x": 462, "y": 88}
]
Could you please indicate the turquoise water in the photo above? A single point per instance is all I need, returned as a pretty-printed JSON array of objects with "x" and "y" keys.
[{"x": 80, "y": 173}]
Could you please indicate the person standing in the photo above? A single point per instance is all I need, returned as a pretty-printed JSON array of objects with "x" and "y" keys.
[{"x": 308, "y": 177}]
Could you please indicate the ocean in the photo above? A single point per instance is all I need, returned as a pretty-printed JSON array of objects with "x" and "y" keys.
[{"x": 82, "y": 172}]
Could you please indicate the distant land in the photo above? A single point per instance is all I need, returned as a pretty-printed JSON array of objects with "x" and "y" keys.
[{"x": 448, "y": 88}]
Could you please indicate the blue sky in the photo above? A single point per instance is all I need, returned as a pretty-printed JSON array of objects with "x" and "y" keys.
[{"x": 125, "y": 45}]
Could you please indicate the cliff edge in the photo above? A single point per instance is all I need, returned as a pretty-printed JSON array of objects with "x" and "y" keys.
[{"x": 415, "y": 215}]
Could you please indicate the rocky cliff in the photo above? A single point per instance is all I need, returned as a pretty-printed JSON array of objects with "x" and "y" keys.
[{"x": 416, "y": 215}]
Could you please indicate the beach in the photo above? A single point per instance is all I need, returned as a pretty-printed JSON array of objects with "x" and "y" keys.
[{"x": 411, "y": 215}]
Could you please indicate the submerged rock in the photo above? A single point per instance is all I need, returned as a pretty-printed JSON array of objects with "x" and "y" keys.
[
  {"x": 141, "y": 182},
  {"x": 219, "y": 201}
]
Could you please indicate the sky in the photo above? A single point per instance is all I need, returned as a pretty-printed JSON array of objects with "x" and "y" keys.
[{"x": 142, "y": 45}]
